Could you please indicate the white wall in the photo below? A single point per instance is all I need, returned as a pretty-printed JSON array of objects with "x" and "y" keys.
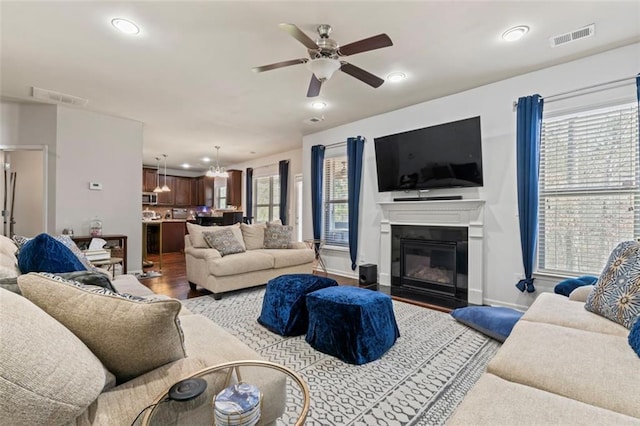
[
  {"x": 93, "y": 147},
  {"x": 494, "y": 103},
  {"x": 295, "y": 167}
]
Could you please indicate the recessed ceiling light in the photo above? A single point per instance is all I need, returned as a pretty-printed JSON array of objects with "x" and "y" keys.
[
  {"x": 206, "y": 159},
  {"x": 515, "y": 33},
  {"x": 186, "y": 166},
  {"x": 125, "y": 26},
  {"x": 395, "y": 77},
  {"x": 318, "y": 105}
]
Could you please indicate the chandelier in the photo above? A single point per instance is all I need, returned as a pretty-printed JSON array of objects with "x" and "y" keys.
[{"x": 217, "y": 171}]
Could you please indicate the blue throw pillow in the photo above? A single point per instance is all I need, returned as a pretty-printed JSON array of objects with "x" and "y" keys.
[
  {"x": 567, "y": 286},
  {"x": 634, "y": 336},
  {"x": 46, "y": 254},
  {"x": 495, "y": 322}
]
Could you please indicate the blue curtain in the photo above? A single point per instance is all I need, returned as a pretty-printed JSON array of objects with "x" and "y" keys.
[
  {"x": 317, "y": 163},
  {"x": 249, "y": 195},
  {"x": 529, "y": 124},
  {"x": 355, "y": 147},
  {"x": 283, "y": 168}
]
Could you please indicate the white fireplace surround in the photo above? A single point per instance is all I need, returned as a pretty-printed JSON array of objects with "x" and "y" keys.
[{"x": 464, "y": 213}]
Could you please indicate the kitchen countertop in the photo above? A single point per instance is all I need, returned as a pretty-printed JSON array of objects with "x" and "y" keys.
[{"x": 164, "y": 220}]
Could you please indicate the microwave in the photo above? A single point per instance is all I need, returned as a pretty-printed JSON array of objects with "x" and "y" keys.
[{"x": 149, "y": 198}]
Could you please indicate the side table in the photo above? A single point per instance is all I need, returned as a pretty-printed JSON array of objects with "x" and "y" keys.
[
  {"x": 121, "y": 239},
  {"x": 316, "y": 245}
]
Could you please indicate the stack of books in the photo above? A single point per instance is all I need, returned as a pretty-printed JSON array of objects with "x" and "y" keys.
[{"x": 97, "y": 254}]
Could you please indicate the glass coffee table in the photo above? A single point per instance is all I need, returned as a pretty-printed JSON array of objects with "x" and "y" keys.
[{"x": 269, "y": 377}]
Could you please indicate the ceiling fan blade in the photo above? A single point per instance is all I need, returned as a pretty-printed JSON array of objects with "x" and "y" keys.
[
  {"x": 362, "y": 75},
  {"x": 280, "y": 65},
  {"x": 376, "y": 42},
  {"x": 314, "y": 87},
  {"x": 297, "y": 33}
]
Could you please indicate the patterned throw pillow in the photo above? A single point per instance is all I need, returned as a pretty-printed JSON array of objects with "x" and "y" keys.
[
  {"x": 616, "y": 295},
  {"x": 224, "y": 241},
  {"x": 130, "y": 336},
  {"x": 277, "y": 236}
]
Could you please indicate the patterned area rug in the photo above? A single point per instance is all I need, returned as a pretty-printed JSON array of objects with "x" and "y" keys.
[{"x": 419, "y": 381}]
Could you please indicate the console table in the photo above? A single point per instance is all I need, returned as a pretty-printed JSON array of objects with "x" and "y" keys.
[{"x": 84, "y": 240}]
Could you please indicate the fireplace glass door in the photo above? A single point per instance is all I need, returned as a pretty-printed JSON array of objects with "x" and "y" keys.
[{"x": 428, "y": 265}]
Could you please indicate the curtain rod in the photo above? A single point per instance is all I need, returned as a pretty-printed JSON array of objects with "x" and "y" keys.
[
  {"x": 337, "y": 144},
  {"x": 588, "y": 89}
]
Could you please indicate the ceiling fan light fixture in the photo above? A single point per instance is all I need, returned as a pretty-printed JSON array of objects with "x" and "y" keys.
[
  {"x": 515, "y": 33},
  {"x": 323, "y": 68}
]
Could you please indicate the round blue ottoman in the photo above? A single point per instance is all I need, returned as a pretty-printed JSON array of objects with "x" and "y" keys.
[
  {"x": 283, "y": 307},
  {"x": 351, "y": 323}
]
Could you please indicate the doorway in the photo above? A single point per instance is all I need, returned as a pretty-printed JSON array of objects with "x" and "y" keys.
[{"x": 23, "y": 190}]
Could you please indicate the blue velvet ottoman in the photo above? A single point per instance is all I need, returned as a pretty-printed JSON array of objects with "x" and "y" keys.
[
  {"x": 283, "y": 307},
  {"x": 351, "y": 323}
]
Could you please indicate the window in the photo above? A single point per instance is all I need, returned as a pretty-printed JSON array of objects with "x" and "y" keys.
[
  {"x": 267, "y": 198},
  {"x": 589, "y": 196},
  {"x": 335, "y": 231},
  {"x": 222, "y": 197}
]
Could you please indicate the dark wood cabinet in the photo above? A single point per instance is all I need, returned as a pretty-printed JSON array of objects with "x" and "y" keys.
[
  {"x": 182, "y": 190},
  {"x": 148, "y": 180},
  {"x": 204, "y": 191},
  {"x": 173, "y": 237},
  {"x": 234, "y": 188},
  {"x": 167, "y": 198}
]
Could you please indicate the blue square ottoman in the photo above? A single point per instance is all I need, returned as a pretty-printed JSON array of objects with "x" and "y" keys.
[
  {"x": 351, "y": 323},
  {"x": 283, "y": 307}
]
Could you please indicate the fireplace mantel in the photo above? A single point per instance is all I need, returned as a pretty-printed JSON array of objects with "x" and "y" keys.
[{"x": 466, "y": 212}]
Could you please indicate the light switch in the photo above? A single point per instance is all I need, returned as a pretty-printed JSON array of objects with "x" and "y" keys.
[{"x": 95, "y": 186}]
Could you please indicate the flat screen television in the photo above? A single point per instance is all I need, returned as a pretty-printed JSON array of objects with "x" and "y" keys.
[{"x": 448, "y": 155}]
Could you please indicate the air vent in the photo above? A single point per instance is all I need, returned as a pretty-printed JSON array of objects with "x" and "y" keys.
[
  {"x": 588, "y": 31},
  {"x": 314, "y": 120},
  {"x": 61, "y": 98}
]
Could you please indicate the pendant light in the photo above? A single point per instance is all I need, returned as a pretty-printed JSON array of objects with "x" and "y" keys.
[
  {"x": 157, "y": 188},
  {"x": 165, "y": 188},
  {"x": 217, "y": 171}
]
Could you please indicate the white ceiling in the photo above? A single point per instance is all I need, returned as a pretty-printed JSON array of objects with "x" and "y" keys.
[{"x": 187, "y": 76}]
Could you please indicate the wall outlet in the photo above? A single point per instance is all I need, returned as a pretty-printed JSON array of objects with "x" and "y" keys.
[{"x": 95, "y": 186}]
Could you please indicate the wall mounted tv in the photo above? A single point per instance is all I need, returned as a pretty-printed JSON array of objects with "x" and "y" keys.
[{"x": 444, "y": 156}]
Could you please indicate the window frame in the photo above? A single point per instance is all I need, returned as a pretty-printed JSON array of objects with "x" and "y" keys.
[
  {"x": 274, "y": 189},
  {"x": 329, "y": 203}
]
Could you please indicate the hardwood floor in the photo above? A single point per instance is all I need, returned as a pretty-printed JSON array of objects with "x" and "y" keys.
[{"x": 173, "y": 282}]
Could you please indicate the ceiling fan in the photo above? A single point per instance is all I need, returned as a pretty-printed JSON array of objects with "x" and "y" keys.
[{"x": 324, "y": 53}]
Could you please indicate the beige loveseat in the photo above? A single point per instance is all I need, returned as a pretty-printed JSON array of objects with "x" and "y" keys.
[
  {"x": 207, "y": 268},
  {"x": 561, "y": 365},
  {"x": 49, "y": 376}
]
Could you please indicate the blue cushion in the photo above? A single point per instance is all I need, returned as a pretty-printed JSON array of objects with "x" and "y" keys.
[
  {"x": 634, "y": 336},
  {"x": 567, "y": 286},
  {"x": 46, "y": 254},
  {"x": 351, "y": 323},
  {"x": 495, "y": 322},
  {"x": 283, "y": 308}
]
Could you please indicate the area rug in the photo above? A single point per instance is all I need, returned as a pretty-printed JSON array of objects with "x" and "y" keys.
[{"x": 419, "y": 381}]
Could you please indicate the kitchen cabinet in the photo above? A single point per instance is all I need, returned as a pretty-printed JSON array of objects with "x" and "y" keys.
[
  {"x": 148, "y": 180},
  {"x": 167, "y": 198},
  {"x": 182, "y": 190},
  {"x": 234, "y": 188},
  {"x": 204, "y": 191},
  {"x": 173, "y": 236}
]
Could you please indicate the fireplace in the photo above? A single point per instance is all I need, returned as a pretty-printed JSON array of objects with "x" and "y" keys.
[
  {"x": 430, "y": 264},
  {"x": 466, "y": 215}
]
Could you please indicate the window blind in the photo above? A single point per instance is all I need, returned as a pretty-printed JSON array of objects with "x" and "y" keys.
[
  {"x": 335, "y": 229},
  {"x": 588, "y": 188}
]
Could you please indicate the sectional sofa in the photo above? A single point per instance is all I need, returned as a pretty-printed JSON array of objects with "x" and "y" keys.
[
  {"x": 58, "y": 339},
  {"x": 561, "y": 365},
  {"x": 208, "y": 268}
]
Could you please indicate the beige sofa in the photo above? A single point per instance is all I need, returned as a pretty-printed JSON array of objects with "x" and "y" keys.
[
  {"x": 561, "y": 365},
  {"x": 49, "y": 376},
  {"x": 207, "y": 268}
]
